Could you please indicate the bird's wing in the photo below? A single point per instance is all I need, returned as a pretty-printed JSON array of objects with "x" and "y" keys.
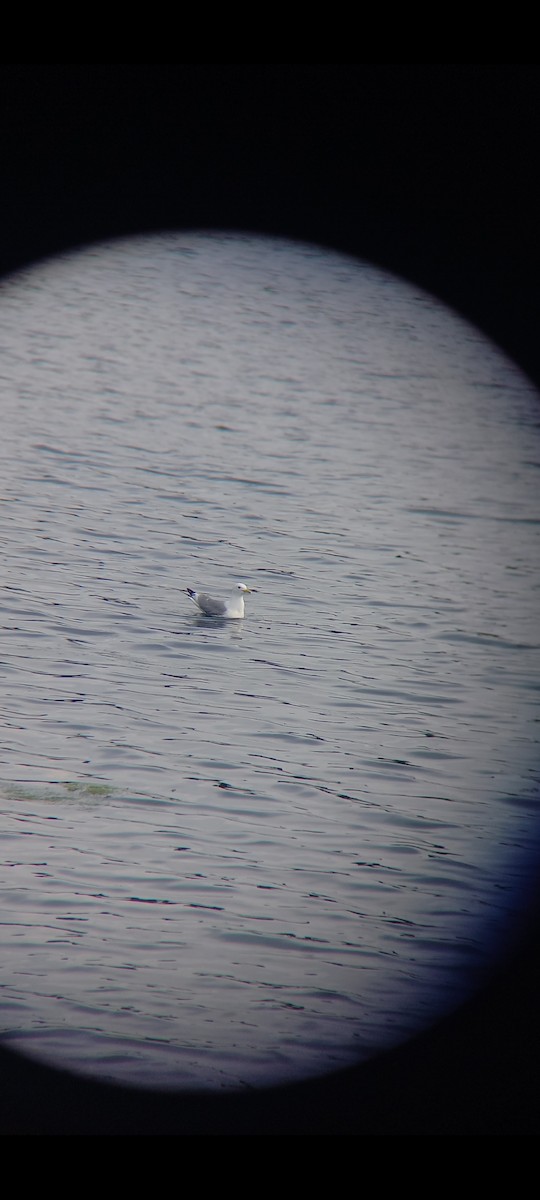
[{"x": 212, "y": 608}]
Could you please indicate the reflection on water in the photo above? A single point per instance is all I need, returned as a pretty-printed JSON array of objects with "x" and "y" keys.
[{"x": 238, "y": 852}]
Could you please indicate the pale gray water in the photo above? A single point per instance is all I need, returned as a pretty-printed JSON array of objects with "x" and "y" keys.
[{"x": 244, "y": 852}]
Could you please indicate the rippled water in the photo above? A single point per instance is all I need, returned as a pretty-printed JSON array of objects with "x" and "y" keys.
[{"x": 243, "y": 852}]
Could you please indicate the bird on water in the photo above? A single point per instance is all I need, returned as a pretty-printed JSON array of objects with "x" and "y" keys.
[{"x": 232, "y": 607}]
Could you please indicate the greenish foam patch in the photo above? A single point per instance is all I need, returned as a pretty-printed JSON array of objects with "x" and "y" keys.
[{"x": 71, "y": 790}]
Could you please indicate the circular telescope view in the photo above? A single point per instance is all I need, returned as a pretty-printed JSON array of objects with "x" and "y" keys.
[{"x": 270, "y": 660}]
